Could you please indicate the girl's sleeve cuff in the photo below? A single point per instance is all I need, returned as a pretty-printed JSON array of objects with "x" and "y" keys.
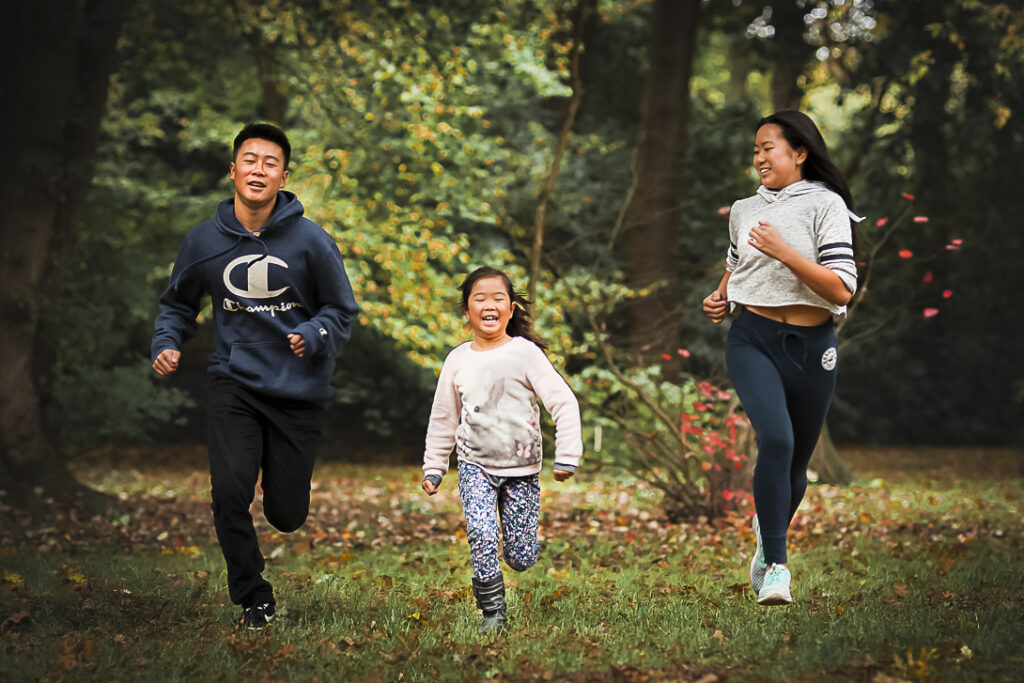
[
  {"x": 564, "y": 467},
  {"x": 434, "y": 479}
]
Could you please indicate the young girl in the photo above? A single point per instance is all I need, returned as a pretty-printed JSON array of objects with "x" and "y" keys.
[
  {"x": 485, "y": 407},
  {"x": 790, "y": 272}
]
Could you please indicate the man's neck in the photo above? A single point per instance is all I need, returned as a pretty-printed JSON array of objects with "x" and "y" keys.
[{"x": 253, "y": 218}]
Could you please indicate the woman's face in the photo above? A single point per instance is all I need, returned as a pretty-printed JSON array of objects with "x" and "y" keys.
[{"x": 775, "y": 161}]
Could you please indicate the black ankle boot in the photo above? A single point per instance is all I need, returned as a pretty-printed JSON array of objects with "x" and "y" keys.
[{"x": 490, "y": 597}]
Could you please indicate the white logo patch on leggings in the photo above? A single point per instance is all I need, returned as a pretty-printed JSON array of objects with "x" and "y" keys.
[{"x": 828, "y": 359}]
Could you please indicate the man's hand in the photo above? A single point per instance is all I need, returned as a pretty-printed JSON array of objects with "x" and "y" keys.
[
  {"x": 562, "y": 475},
  {"x": 715, "y": 306},
  {"x": 297, "y": 343},
  {"x": 429, "y": 487},
  {"x": 166, "y": 362}
]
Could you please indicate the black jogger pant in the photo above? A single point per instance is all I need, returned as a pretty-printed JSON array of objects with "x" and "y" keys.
[
  {"x": 784, "y": 376},
  {"x": 249, "y": 432}
]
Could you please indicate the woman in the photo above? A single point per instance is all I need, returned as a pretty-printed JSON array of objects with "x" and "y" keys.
[{"x": 790, "y": 272}]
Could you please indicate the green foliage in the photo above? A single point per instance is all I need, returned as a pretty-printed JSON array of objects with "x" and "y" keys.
[{"x": 423, "y": 132}]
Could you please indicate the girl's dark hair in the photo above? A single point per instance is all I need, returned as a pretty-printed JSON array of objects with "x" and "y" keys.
[
  {"x": 800, "y": 131},
  {"x": 521, "y": 323}
]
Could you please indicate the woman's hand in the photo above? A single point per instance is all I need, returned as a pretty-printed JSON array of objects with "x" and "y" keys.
[
  {"x": 715, "y": 306},
  {"x": 766, "y": 239}
]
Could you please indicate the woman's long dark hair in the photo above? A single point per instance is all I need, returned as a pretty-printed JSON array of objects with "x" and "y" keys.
[
  {"x": 521, "y": 323},
  {"x": 800, "y": 131}
]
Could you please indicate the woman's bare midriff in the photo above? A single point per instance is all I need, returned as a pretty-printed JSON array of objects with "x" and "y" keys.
[{"x": 795, "y": 314}]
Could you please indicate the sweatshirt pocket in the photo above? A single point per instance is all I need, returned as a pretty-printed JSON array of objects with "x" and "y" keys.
[{"x": 272, "y": 368}]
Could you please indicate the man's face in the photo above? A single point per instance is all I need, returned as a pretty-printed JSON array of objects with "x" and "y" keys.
[{"x": 258, "y": 171}]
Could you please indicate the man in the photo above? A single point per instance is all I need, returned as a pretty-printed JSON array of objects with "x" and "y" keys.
[{"x": 282, "y": 307}]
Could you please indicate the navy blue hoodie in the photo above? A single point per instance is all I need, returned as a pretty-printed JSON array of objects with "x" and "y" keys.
[{"x": 287, "y": 277}]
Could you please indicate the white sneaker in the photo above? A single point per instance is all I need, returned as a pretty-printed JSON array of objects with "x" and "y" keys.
[
  {"x": 757, "y": 563},
  {"x": 775, "y": 589}
]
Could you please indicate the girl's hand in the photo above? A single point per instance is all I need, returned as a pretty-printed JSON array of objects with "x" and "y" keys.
[
  {"x": 766, "y": 239},
  {"x": 562, "y": 475},
  {"x": 715, "y": 306},
  {"x": 429, "y": 487}
]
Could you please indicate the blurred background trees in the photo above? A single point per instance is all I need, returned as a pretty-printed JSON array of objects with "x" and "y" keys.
[{"x": 424, "y": 136}]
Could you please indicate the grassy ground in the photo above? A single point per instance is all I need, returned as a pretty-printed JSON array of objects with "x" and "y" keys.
[{"x": 910, "y": 574}]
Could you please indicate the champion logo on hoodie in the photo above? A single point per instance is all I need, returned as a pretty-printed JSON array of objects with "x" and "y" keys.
[{"x": 258, "y": 286}]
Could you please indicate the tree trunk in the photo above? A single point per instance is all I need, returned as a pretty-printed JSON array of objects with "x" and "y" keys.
[
  {"x": 652, "y": 218},
  {"x": 55, "y": 91},
  {"x": 789, "y": 54}
]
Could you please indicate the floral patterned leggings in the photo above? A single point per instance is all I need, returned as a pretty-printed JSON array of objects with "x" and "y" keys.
[{"x": 516, "y": 500}]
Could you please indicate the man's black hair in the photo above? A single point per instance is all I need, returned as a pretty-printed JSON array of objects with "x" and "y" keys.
[{"x": 263, "y": 131}]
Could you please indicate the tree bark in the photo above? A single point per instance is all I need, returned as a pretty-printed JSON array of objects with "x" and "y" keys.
[
  {"x": 789, "y": 53},
  {"x": 653, "y": 215},
  {"x": 55, "y": 91}
]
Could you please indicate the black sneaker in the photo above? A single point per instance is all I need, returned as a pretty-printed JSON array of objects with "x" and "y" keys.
[{"x": 257, "y": 616}]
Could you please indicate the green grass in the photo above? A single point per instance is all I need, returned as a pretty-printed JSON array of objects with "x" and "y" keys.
[{"x": 902, "y": 575}]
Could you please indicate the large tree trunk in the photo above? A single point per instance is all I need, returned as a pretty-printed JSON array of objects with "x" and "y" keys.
[
  {"x": 789, "y": 53},
  {"x": 59, "y": 58},
  {"x": 652, "y": 218}
]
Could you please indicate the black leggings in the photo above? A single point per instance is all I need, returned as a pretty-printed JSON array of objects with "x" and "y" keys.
[
  {"x": 784, "y": 376},
  {"x": 249, "y": 432}
]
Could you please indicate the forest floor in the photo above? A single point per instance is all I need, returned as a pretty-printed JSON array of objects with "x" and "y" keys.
[{"x": 913, "y": 573}]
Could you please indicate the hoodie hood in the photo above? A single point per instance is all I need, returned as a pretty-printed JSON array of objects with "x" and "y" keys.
[
  {"x": 287, "y": 209},
  {"x": 799, "y": 189}
]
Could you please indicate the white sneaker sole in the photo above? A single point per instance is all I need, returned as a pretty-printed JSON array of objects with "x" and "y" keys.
[{"x": 777, "y": 598}]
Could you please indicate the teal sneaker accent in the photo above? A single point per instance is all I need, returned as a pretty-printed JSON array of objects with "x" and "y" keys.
[
  {"x": 775, "y": 589},
  {"x": 757, "y": 563}
]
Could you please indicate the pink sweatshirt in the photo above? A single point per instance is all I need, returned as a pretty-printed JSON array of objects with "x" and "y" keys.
[{"x": 485, "y": 407}]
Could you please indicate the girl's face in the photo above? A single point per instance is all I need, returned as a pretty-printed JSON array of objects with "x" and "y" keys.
[
  {"x": 489, "y": 308},
  {"x": 775, "y": 161}
]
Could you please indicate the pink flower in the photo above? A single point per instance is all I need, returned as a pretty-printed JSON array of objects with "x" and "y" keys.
[
  {"x": 948, "y": 293},
  {"x": 881, "y": 222},
  {"x": 906, "y": 253},
  {"x": 724, "y": 211},
  {"x": 683, "y": 352},
  {"x": 920, "y": 219},
  {"x": 957, "y": 242},
  {"x": 952, "y": 247},
  {"x": 931, "y": 312},
  {"x": 728, "y": 495}
]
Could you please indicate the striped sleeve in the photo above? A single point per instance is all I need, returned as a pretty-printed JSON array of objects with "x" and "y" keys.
[
  {"x": 834, "y": 238},
  {"x": 732, "y": 257}
]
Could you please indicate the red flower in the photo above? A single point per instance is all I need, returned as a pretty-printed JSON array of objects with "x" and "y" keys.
[
  {"x": 928, "y": 276},
  {"x": 948, "y": 293},
  {"x": 666, "y": 356},
  {"x": 683, "y": 352},
  {"x": 728, "y": 495},
  {"x": 906, "y": 253},
  {"x": 881, "y": 221},
  {"x": 920, "y": 219},
  {"x": 958, "y": 241},
  {"x": 724, "y": 211},
  {"x": 907, "y": 195}
]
